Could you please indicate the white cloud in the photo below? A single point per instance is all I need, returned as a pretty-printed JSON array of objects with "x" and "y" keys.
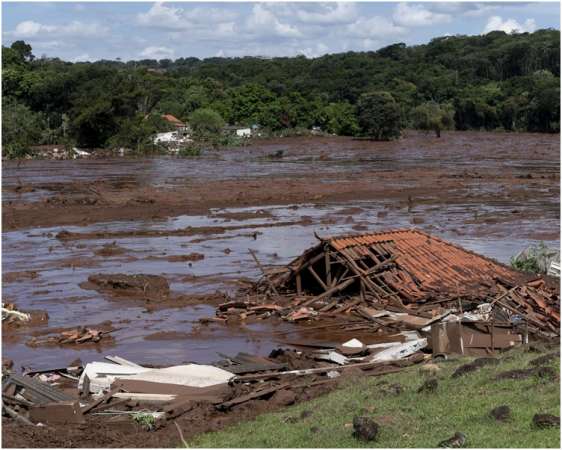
[
  {"x": 411, "y": 15},
  {"x": 154, "y": 52},
  {"x": 372, "y": 27},
  {"x": 326, "y": 14},
  {"x": 160, "y": 16},
  {"x": 262, "y": 21},
  {"x": 170, "y": 18},
  {"x": 32, "y": 29},
  {"x": 496, "y": 23}
]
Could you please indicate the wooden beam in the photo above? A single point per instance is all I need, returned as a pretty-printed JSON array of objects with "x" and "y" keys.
[
  {"x": 313, "y": 272},
  {"x": 328, "y": 267}
]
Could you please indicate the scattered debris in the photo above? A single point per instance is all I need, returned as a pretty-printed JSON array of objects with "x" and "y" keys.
[{"x": 77, "y": 336}]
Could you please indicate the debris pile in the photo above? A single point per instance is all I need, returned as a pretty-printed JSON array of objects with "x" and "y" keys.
[
  {"x": 402, "y": 280},
  {"x": 79, "y": 335}
]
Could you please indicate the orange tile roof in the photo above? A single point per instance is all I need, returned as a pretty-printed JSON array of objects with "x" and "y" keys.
[
  {"x": 173, "y": 119},
  {"x": 435, "y": 263}
]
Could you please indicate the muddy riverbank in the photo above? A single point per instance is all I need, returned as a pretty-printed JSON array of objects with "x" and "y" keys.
[{"x": 192, "y": 222}]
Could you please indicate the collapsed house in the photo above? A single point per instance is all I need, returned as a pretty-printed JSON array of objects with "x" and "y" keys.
[{"x": 411, "y": 279}]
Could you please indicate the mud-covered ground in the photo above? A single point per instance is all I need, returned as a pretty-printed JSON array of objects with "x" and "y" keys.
[{"x": 192, "y": 221}]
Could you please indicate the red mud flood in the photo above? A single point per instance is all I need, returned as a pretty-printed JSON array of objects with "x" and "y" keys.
[{"x": 192, "y": 221}]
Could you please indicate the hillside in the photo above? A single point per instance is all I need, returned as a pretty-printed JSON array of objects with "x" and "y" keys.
[{"x": 488, "y": 82}]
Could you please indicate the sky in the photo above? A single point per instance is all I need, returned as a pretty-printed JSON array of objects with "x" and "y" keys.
[{"x": 89, "y": 31}]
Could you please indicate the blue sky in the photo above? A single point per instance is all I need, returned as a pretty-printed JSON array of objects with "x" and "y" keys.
[{"x": 79, "y": 31}]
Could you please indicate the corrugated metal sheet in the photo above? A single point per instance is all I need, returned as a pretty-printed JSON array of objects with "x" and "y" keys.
[{"x": 437, "y": 264}]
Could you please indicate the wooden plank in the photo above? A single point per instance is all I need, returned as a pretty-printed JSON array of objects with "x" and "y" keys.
[
  {"x": 316, "y": 370},
  {"x": 253, "y": 395},
  {"x": 299, "y": 283}
]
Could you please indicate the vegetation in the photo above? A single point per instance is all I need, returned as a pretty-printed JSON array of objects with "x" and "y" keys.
[
  {"x": 145, "y": 420},
  {"x": 499, "y": 80},
  {"x": 431, "y": 116},
  {"x": 411, "y": 419},
  {"x": 535, "y": 258}
]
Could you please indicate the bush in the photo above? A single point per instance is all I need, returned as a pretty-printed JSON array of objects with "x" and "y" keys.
[{"x": 206, "y": 123}]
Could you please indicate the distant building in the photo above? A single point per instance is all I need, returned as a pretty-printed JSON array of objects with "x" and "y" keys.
[
  {"x": 238, "y": 131},
  {"x": 176, "y": 123},
  {"x": 244, "y": 132}
]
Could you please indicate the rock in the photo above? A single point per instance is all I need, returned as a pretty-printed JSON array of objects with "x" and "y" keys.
[
  {"x": 501, "y": 413},
  {"x": 364, "y": 428},
  {"x": 458, "y": 440},
  {"x": 546, "y": 421},
  {"x": 429, "y": 386}
]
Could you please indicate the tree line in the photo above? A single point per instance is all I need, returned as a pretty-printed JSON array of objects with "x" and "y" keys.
[{"x": 488, "y": 82}]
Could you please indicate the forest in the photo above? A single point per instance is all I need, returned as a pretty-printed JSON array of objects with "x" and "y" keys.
[{"x": 496, "y": 81}]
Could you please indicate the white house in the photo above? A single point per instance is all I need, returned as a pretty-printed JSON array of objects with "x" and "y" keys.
[
  {"x": 171, "y": 139},
  {"x": 244, "y": 132}
]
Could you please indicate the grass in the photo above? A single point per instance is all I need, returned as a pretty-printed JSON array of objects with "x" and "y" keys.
[{"x": 412, "y": 419}]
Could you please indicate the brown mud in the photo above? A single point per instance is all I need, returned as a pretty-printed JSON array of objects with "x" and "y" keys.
[
  {"x": 66, "y": 221},
  {"x": 475, "y": 167}
]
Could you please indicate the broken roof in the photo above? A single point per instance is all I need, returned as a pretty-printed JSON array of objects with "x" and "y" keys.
[
  {"x": 434, "y": 262},
  {"x": 402, "y": 264},
  {"x": 173, "y": 120}
]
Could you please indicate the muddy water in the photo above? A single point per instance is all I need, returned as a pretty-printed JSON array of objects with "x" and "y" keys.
[
  {"x": 484, "y": 215},
  {"x": 62, "y": 266}
]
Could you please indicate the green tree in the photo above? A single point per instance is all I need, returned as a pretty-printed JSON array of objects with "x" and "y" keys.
[
  {"x": 21, "y": 128},
  {"x": 340, "y": 119},
  {"x": 378, "y": 116},
  {"x": 206, "y": 123},
  {"x": 432, "y": 116},
  {"x": 137, "y": 132}
]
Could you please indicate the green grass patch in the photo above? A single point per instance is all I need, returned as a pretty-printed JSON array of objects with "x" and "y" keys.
[{"x": 412, "y": 419}]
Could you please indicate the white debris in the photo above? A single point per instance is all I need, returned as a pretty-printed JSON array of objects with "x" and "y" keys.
[
  {"x": 102, "y": 375},
  {"x": 194, "y": 375},
  {"x": 400, "y": 350},
  {"x": 333, "y": 374},
  {"x": 14, "y": 313},
  {"x": 353, "y": 343},
  {"x": 333, "y": 357}
]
